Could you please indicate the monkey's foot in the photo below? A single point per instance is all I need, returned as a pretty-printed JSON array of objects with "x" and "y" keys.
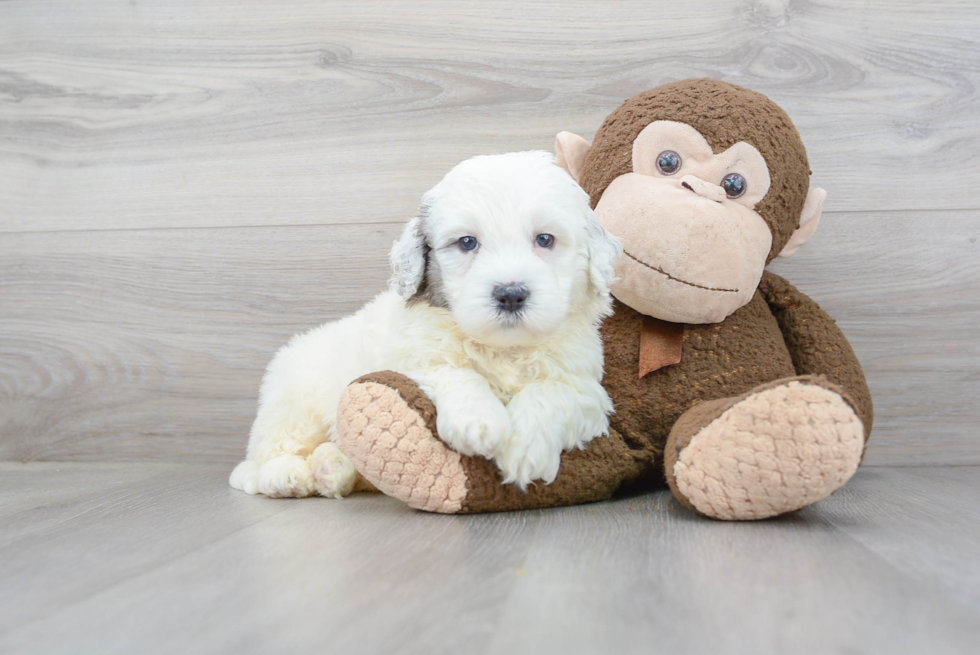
[
  {"x": 777, "y": 449},
  {"x": 387, "y": 427},
  {"x": 390, "y": 438}
]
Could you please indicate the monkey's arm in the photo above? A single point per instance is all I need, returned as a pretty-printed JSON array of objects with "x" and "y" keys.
[{"x": 816, "y": 344}]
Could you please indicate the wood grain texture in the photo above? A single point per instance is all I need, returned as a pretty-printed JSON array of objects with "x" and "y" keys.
[
  {"x": 119, "y": 522},
  {"x": 905, "y": 289},
  {"x": 798, "y": 584},
  {"x": 150, "y": 344},
  {"x": 183, "y": 185},
  {"x": 245, "y": 112},
  {"x": 169, "y": 559},
  {"x": 945, "y": 499}
]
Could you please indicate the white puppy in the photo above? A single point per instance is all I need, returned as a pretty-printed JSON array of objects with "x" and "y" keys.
[{"x": 498, "y": 289}]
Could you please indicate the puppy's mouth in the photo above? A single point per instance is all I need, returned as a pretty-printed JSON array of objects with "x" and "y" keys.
[{"x": 509, "y": 319}]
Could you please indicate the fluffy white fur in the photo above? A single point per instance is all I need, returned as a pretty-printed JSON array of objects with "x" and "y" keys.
[{"x": 515, "y": 388}]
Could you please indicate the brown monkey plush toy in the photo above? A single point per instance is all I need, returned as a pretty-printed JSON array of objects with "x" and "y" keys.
[{"x": 729, "y": 385}]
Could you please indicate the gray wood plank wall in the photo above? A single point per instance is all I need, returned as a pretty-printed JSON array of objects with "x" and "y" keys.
[{"x": 184, "y": 184}]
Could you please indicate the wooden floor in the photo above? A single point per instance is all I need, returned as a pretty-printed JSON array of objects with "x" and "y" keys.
[
  {"x": 165, "y": 558},
  {"x": 186, "y": 183}
]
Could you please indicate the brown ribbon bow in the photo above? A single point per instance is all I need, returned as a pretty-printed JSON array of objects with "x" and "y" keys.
[{"x": 660, "y": 344}]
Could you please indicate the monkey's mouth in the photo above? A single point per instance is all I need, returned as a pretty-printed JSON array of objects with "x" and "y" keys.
[{"x": 677, "y": 279}]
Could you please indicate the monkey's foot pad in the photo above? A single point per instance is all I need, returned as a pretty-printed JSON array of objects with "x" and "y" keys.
[
  {"x": 387, "y": 427},
  {"x": 775, "y": 451},
  {"x": 394, "y": 448}
]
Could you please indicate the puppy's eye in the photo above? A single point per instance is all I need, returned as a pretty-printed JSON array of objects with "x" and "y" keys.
[
  {"x": 668, "y": 162},
  {"x": 466, "y": 244},
  {"x": 545, "y": 241},
  {"x": 734, "y": 185}
]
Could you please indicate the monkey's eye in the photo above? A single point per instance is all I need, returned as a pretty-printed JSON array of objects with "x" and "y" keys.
[
  {"x": 466, "y": 244},
  {"x": 545, "y": 241},
  {"x": 734, "y": 185},
  {"x": 668, "y": 162}
]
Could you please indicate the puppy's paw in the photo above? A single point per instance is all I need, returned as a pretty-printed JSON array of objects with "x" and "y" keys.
[
  {"x": 547, "y": 418},
  {"x": 334, "y": 474},
  {"x": 478, "y": 427},
  {"x": 286, "y": 476},
  {"x": 245, "y": 477},
  {"x": 529, "y": 456},
  {"x": 594, "y": 423},
  {"x": 585, "y": 416}
]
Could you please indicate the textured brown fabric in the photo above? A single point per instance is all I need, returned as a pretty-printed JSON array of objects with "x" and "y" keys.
[
  {"x": 724, "y": 114},
  {"x": 717, "y": 361},
  {"x": 410, "y": 393},
  {"x": 585, "y": 476},
  {"x": 816, "y": 344},
  {"x": 661, "y": 344}
]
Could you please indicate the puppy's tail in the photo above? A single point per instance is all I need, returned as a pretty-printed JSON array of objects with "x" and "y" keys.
[{"x": 245, "y": 477}]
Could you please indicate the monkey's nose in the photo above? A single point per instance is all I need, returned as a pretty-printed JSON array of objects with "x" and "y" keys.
[
  {"x": 704, "y": 189},
  {"x": 511, "y": 297}
]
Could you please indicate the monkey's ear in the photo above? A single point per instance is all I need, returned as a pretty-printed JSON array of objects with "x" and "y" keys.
[
  {"x": 812, "y": 209},
  {"x": 408, "y": 257},
  {"x": 570, "y": 151}
]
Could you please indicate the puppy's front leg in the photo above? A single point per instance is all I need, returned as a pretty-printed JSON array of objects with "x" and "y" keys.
[
  {"x": 546, "y": 418},
  {"x": 471, "y": 419}
]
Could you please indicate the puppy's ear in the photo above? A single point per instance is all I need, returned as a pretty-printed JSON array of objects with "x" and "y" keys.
[
  {"x": 604, "y": 251},
  {"x": 409, "y": 256}
]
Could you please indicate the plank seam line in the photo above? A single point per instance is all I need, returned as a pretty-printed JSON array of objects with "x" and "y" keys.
[{"x": 368, "y": 223}]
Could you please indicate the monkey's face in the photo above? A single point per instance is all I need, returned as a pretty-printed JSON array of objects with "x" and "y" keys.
[
  {"x": 704, "y": 182},
  {"x": 695, "y": 247}
]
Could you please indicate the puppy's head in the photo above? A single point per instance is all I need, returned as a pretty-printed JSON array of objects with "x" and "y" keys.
[{"x": 509, "y": 245}]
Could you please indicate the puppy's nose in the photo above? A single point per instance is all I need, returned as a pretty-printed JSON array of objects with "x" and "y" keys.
[{"x": 511, "y": 297}]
